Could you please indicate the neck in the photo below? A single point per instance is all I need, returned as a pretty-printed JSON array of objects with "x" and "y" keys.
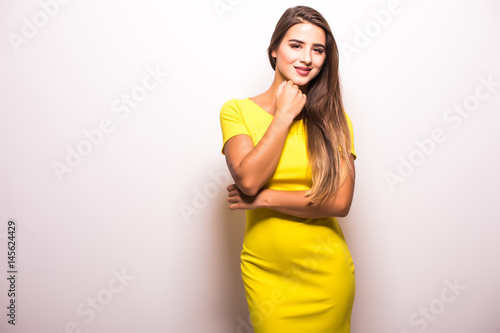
[
  {"x": 278, "y": 79},
  {"x": 271, "y": 93}
]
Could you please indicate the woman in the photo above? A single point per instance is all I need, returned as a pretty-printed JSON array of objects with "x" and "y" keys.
[{"x": 290, "y": 152}]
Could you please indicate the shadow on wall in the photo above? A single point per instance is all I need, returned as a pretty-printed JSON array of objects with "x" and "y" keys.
[{"x": 233, "y": 305}]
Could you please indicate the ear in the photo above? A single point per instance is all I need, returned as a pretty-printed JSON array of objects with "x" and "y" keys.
[{"x": 273, "y": 54}]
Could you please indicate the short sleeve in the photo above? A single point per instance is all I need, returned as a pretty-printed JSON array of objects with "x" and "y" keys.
[
  {"x": 349, "y": 124},
  {"x": 231, "y": 122}
]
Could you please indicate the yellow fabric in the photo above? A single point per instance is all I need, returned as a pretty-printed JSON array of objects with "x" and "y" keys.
[{"x": 297, "y": 272}]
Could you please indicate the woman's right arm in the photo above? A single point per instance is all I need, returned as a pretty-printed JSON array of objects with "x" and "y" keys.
[{"x": 252, "y": 166}]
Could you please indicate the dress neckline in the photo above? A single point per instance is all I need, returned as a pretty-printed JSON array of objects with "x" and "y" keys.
[{"x": 262, "y": 109}]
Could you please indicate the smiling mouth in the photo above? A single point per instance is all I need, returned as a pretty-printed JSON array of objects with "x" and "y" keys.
[{"x": 303, "y": 70}]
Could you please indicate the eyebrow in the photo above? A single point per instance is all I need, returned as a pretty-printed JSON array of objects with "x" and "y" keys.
[{"x": 301, "y": 42}]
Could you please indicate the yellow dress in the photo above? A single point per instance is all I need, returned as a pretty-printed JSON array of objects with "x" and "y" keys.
[{"x": 297, "y": 272}]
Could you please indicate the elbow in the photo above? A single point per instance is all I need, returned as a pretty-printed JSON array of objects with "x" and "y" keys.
[
  {"x": 343, "y": 210},
  {"x": 343, "y": 213},
  {"x": 243, "y": 181},
  {"x": 247, "y": 182},
  {"x": 250, "y": 191},
  {"x": 248, "y": 187}
]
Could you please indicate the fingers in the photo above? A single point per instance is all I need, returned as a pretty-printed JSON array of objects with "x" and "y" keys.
[
  {"x": 232, "y": 190},
  {"x": 285, "y": 84},
  {"x": 233, "y": 198},
  {"x": 280, "y": 88},
  {"x": 296, "y": 92},
  {"x": 292, "y": 85},
  {"x": 289, "y": 99},
  {"x": 289, "y": 83}
]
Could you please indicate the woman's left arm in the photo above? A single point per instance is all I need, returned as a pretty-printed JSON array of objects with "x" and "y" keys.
[{"x": 295, "y": 202}]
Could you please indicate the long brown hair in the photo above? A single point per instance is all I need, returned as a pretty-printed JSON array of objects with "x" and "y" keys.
[{"x": 324, "y": 118}]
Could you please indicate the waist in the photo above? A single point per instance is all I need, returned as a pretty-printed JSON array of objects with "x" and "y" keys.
[{"x": 272, "y": 233}]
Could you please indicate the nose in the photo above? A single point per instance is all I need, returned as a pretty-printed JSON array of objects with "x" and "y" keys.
[{"x": 305, "y": 57}]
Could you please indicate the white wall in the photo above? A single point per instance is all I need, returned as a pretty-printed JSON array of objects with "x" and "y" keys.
[{"x": 138, "y": 236}]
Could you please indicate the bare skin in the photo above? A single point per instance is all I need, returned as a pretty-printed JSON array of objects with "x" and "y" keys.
[{"x": 299, "y": 59}]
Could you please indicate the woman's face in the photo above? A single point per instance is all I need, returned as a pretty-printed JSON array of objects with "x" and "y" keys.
[{"x": 301, "y": 53}]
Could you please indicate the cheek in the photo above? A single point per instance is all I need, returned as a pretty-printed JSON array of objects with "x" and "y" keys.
[
  {"x": 286, "y": 56},
  {"x": 320, "y": 62},
  {"x": 318, "y": 70},
  {"x": 319, "y": 65}
]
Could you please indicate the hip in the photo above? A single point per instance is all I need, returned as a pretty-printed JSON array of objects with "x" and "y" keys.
[{"x": 285, "y": 240}]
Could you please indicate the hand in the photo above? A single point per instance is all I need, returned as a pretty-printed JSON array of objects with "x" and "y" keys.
[
  {"x": 289, "y": 100},
  {"x": 239, "y": 200}
]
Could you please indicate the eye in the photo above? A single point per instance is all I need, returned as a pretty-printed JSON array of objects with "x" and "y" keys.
[
  {"x": 295, "y": 46},
  {"x": 320, "y": 50}
]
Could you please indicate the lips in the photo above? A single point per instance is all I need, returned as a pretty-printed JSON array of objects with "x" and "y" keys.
[{"x": 302, "y": 70}]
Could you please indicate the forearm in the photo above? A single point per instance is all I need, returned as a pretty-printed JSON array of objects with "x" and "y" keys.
[
  {"x": 258, "y": 166},
  {"x": 296, "y": 203}
]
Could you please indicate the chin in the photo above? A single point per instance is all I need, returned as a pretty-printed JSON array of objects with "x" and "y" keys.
[
  {"x": 301, "y": 81},
  {"x": 297, "y": 80}
]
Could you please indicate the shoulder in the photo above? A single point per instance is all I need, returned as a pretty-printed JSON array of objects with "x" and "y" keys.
[
  {"x": 346, "y": 116},
  {"x": 233, "y": 106},
  {"x": 348, "y": 119},
  {"x": 351, "y": 132},
  {"x": 233, "y": 103}
]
